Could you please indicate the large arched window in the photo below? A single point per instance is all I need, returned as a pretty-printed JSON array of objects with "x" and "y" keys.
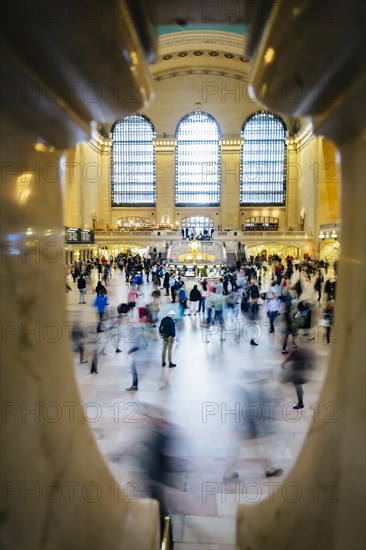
[
  {"x": 197, "y": 165},
  {"x": 133, "y": 171},
  {"x": 263, "y": 160}
]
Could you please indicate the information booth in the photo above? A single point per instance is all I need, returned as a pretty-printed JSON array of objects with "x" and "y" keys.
[{"x": 197, "y": 259}]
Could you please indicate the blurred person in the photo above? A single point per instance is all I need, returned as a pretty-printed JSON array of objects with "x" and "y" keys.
[
  {"x": 100, "y": 304},
  {"x": 173, "y": 287},
  {"x": 88, "y": 271},
  {"x": 276, "y": 288},
  {"x": 132, "y": 354},
  {"x": 219, "y": 313},
  {"x": 252, "y": 332},
  {"x": 330, "y": 288},
  {"x": 75, "y": 272},
  {"x": 82, "y": 289},
  {"x": 159, "y": 459},
  {"x": 278, "y": 273},
  {"x": 166, "y": 283},
  {"x": 182, "y": 297},
  {"x": 154, "y": 306},
  {"x": 138, "y": 280},
  {"x": 254, "y": 295},
  {"x": 180, "y": 282},
  {"x": 99, "y": 347},
  {"x": 100, "y": 288},
  {"x": 328, "y": 316},
  {"x": 273, "y": 307},
  {"x": 232, "y": 304},
  {"x": 210, "y": 307},
  {"x": 117, "y": 326},
  {"x": 218, "y": 286},
  {"x": 104, "y": 334},
  {"x": 78, "y": 339},
  {"x": 132, "y": 297},
  {"x": 105, "y": 275},
  {"x": 147, "y": 271},
  {"x": 225, "y": 284},
  {"x": 297, "y": 366},
  {"x": 258, "y": 422},
  {"x": 202, "y": 304},
  {"x": 302, "y": 319},
  {"x": 318, "y": 284},
  {"x": 289, "y": 325}
]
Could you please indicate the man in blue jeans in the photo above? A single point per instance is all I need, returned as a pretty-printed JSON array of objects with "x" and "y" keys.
[{"x": 273, "y": 307}]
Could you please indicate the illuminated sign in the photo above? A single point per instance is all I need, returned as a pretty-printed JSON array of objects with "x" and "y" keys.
[{"x": 75, "y": 235}]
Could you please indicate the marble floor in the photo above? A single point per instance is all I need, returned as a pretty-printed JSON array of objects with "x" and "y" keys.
[{"x": 223, "y": 407}]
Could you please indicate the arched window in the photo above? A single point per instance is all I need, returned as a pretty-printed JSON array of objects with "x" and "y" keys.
[
  {"x": 263, "y": 160},
  {"x": 133, "y": 171},
  {"x": 197, "y": 165}
]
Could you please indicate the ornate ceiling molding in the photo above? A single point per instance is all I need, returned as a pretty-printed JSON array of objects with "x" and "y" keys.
[
  {"x": 227, "y": 41},
  {"x": 164, "y": 75},
  {"x": 214, "y": 53}
]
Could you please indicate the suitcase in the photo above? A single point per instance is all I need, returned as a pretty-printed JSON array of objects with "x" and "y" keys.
[
  {"x": 244, "y": 305},
  {"x": 123, "y": 309},
  {"x": 144, "y": 314}
]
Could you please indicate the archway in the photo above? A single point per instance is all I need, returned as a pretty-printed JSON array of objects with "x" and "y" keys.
[{"x": 198, "y": 225}]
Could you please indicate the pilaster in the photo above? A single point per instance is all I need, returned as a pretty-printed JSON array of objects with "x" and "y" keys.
[
  {"x": 165, "y": 180},
  {"x": 230, "y": 182}
]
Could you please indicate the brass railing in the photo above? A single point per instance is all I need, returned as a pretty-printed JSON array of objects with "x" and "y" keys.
[{"x": 167, "y": 534}]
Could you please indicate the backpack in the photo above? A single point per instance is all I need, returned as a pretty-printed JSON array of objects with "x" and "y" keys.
[{"x": 163, "y": 328}]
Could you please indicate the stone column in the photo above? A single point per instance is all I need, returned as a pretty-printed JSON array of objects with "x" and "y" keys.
[
  {"x": 58, "y": 488},
  {"x": 230, "y": 183},
  {"x": 326, "y": 507},
  {"x": 330, "y": 471},
  {"x": 165, "y": 181}
]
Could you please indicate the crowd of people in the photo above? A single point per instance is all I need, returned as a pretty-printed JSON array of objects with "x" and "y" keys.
[
  {"x": 282, "y": 297},
  {"x": 287, "y": 288}
]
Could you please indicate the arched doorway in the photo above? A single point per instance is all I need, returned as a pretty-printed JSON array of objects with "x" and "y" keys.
[{"x": 198, "y": 225}]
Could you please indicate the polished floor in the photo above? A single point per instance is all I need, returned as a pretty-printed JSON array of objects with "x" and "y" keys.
[{"x": 229, "y": 416}]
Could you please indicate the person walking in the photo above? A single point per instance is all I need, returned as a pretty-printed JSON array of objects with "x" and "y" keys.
[
  {"x": 182, "y": 300},
  {"x": 254, "y": 295},
  {"x": 167, "y": 332},
  {"x": 202, "y": 303},
  {"x": 289, "y": 324},
  {"x": 166, "y": 283},
  {"x": 100, "y": 288},
  {"x": 273, "y": 307},
  {"x": 318, "y": 284},
  {"x": 173, "y": 287},
  {"x": 194, "y": 299},
  {"x": 82, "y": 289},
  {"x": 328, "y": 317},
  {"x": 100, "y": 303},
  {"x": 296, "y": 368},
  {"x": 132, "y": 297},
  {"x": 132, "y": 359},
  {"x": 138, "y": 280},
  {"x": 77, "y": 335}
]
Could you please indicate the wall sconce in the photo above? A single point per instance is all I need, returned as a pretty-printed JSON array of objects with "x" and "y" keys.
[
  {"x": 334, "y": 235},
  {"x": 321, "y": 235}
]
